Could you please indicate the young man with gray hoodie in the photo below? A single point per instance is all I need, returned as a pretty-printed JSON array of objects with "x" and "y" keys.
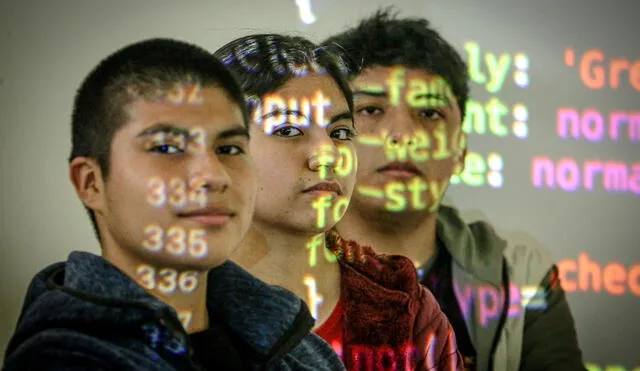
[{"x": 160, "y": 160}]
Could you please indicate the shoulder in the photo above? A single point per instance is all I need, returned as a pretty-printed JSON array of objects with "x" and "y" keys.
[
  {"x": 528, "y": 261},
  {"x": 434, "y": 338},
  {"x": 432, "y": 328},
  {"x": 58, "y": 349},
  {"x": 71, "y": 349},
  {"x": 430, "y": 320},
  {"x": 481, "y": 249},
  {"x": 312, "y": 353}
]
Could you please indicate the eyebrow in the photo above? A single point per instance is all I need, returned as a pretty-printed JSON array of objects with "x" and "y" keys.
[
  {"x": 239, "y": 131},
  {"x": 372, "y": 92},
  {"x": 341, "y": 116},
  {"x": 173, "y": 129},
  {"x": 383, "y": 94},
  {"x": 434, "y": 96},
  {"x": 286, "y": 112},
  {"x": 165, "y": 128}
]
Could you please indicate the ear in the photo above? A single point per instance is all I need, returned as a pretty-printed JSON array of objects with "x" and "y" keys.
[{"x": 86, "y": 177}]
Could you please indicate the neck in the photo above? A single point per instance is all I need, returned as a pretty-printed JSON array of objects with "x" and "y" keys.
[
  {"x": 408, "y": 234},
  {"x": 184, "y": 290},
  {"x": 298, "y": 262},
  {"x": 275, "y": 253}
]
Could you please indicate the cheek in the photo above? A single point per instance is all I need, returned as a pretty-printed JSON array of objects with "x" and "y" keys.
[
  {"x": 366, "y": 157},
  {"x": 273, "y": 179},
  {"x": 245, "y": 179},
  {"x": 266, "y": 175},
  {"x": 348, "y": 184},
  {"x": 129, "y": 210},
  {"x": 275, "y": 165},
  {"x": 143, "y": 189},
  {"x": 126, "y": 186},
  {"x": 248, "y": 196},
  {"x": 347, "y": 167},
  {"x": 261, "y": 161}
]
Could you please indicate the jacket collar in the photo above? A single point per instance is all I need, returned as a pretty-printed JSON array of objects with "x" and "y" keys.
[
  {"x": 391, "y": 272},
  {"x": 476, "y": 246},
  {"x": 263, "y": 316}
]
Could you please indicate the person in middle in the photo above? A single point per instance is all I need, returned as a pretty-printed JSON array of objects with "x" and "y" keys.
[{"x": 371, "y": 308}]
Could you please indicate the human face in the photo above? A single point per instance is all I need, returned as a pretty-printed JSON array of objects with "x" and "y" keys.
[
  {"x": 410, "y": 141},
  {"x": 181, "y": 188},
  {"x": 305, "y": 158}
]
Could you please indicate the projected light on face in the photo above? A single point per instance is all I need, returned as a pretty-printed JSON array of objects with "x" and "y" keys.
[
  {"x": 166, "y": 280},
  {"x": 176, "y": 194},
  {"x": 176, "y": 241},
  {"x": 316, "y": 243},
  {"x": 411, "y": 141},
  {"x": 295, "y": 111},
  {"x": 304, "y": 153},
  {"x": 184, "y": 183},
  {"x": 181, "y": 94},
  {"x": 302, "y": 144}
]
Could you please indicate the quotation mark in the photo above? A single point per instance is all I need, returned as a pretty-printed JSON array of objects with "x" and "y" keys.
[{"x": 304, "y": 7}]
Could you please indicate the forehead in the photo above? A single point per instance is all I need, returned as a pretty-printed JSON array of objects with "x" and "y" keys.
[
  {"x": 379, "y": 78},
  {"x": 208, "y": 107},
  {"x": 308, "y": 86},
  {"x": 404, "y": 86}
]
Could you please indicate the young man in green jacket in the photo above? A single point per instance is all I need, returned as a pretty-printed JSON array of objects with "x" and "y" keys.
[{"x": 410, "y": 90}]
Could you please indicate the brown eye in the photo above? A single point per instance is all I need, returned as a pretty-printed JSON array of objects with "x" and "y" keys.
[
  {"x": 167, "y": 149},
  {"x": 342, "y": 134},
  {"x": 231, "y": 150},
  {"x": 288, "y": 131},
  {"x": 369, "y": 111},
  {"x": 431, "y": 114}
]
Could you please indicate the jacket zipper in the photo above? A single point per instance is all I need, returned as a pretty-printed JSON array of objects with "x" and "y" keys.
[{"x": 503, "y": 315}]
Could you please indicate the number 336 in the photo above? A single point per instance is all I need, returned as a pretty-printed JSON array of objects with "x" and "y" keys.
[{"x": 167, "y": 280}]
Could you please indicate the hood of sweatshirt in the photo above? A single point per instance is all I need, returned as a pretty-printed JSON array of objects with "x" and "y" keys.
[
  {"x": 88, "y": 294},
  {"x": 391, "y": 317},
  {"x": 475, "y": 246}
]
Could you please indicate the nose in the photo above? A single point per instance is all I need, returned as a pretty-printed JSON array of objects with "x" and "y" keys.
[
  {"x": 208, "y": 174},
  {"x": 401, "y": 127},
  {"x": 323, "y": 159},
  {"x": 395, "y": 139}
]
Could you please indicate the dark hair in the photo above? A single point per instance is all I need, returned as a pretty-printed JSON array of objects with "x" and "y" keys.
[
  {"x": 264, "y": 62},
  {"x": 133, "y": 72},
  {"x": 385, "y": 40}
]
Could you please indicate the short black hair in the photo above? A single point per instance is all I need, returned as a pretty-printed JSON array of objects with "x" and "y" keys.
[
  {"x": 132, "y": 72},
  {"x": 265, "y": 62},
  {"x": 385, "y": 40}
]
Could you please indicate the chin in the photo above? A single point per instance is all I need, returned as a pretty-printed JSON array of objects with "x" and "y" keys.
[
  {"x": 214, "y": 262},
  {"x": 359, "y": 202},
  {"x": 214, "y": 257},
  {"x": 204, "y": 264},
  {"x": 315, "y": 230},
  {"x": 320, "y": 221}
]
